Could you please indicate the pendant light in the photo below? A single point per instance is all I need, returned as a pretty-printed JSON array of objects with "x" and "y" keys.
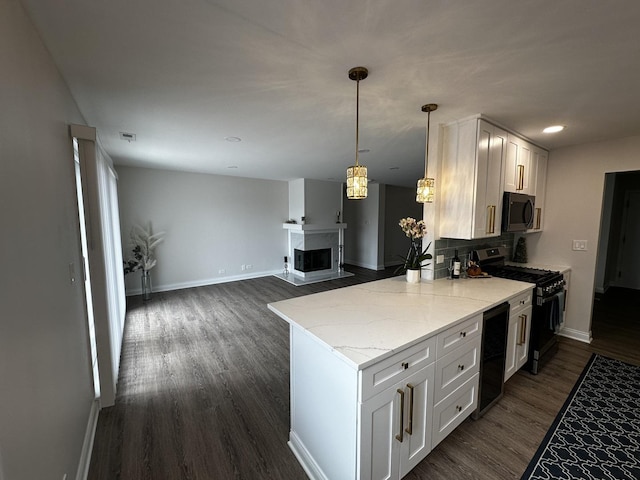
[
  {"x": 357, "y": 174},
  {"x": 426, "y": 186}
]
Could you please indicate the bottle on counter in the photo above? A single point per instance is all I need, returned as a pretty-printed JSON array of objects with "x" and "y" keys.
[{"x": 455, "y": 272}]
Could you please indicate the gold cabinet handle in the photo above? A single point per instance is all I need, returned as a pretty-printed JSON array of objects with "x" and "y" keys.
[
  {"x": 405, "y": 365},
  {"x": 523, "y": 330},
  {"x": 399, "y": 437},
  {"x": 409, "y": 428},
  {"x": 489, "y": 219},
  {"x": 493, "y": 219},
  {"x": 538, "y": 220},
  {"x": 520, "y": 185},
  {"x": 461, "y": 367}
]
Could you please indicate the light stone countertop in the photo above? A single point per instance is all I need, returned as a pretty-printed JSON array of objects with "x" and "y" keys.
[{"x": 365, "y": 323}]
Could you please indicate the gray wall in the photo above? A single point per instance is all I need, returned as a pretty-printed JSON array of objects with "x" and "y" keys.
[
  {"x": 400, "y": 203},
  {"x": 45, "y": 376},
  {"x": 575, "y": 188},
  {"x": 212, "y": 223}
]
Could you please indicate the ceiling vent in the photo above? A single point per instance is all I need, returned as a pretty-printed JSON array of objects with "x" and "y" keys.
[{"x": 129, "y": 137}]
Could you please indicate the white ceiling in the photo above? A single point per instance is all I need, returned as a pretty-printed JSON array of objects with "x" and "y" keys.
[{"x": 185, "y": 74}]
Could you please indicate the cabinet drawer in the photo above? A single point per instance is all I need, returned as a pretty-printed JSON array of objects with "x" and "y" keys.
[
  {"x": 458, "y": 335},
  {"x": 520, "y": 302},
  {"x": 456, "y": 368},
  {"x": 378, "y": 377},
  {"x": 451, "y": 412}
]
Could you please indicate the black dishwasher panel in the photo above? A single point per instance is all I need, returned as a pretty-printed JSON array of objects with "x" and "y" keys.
[{"x": 492, "y": 360}]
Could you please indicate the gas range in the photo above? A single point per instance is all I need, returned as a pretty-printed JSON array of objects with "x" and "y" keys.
[
  {"x": 548, "y": 302},
  {"x": 548, "y": 282}
]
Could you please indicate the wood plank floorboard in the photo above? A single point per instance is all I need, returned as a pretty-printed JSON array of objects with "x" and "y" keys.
[{"x": 203, "y": 391}]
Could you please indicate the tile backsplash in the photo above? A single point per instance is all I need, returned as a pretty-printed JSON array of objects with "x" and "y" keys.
[{"x": 447, "y": 247}]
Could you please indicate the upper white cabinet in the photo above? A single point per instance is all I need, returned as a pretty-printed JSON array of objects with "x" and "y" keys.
[
  {"x": 519, "y": 170},
  {"x": 539, "y": 159},
  {"x": 472, "y": 164}
]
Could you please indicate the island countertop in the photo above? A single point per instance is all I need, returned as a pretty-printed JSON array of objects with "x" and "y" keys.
[{"x": 365, "y": 323}]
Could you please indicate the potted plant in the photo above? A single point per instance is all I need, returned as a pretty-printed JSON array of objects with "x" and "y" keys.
[
  {"x": 416, "y": 230},
  {"x": 144, "y": 244}
]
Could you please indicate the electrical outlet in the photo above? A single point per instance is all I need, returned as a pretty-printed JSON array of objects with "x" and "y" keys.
[
  {"x": 249, "y": 267},
  {"x": 580, "y": 245},
  {"x": 222, "y": 271},
  {"x": 243, "y": 267},
  {"x": 439, "y": 258}
]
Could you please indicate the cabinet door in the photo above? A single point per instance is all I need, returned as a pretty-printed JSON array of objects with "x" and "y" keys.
[
  {"x": 510, "y": 365},
  {"x": 539, "y": 160},
  {"x": 417, "y": 433},
  {"x": 379, "y": 447},
  {"x": 491, "y": 150},
  {"x": 524, "y": 320},
  {"x": 517, "y": 171},
  {"x": 396, "y": 427}
]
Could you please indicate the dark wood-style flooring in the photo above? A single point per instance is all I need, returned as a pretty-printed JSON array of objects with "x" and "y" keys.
[{"x": 204, "y": 391}]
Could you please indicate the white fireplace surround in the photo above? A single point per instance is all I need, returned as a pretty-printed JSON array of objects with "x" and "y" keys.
[{"x": 313, "y": 237}]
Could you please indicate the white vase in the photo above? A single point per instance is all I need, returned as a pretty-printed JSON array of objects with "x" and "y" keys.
[{"x": 413, "y": 276}]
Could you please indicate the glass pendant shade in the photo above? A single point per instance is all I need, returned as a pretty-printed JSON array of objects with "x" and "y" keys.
[
  {"x": 426, "y": 190},
  {"x": 357, "y": 182}
]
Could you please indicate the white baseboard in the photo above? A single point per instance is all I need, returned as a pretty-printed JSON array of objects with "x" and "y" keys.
[
  {"x": 309, "y": 465},
  {"x": 365, "y": 265},
  {"x": 203, "y": 283},
  {"x": 87, "y": 444},
  {"x": 579, "y": 335}
]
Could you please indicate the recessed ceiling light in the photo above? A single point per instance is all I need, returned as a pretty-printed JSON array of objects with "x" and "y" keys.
[
  {"x": 553, "y": 129},
  {"x": 233, "y": 139}
]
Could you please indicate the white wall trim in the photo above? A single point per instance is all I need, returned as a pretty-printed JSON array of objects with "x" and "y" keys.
[
  {"x": 204, "y": 282},
  {"x": 311, "y": 468},
  {"x": 87, "y": 444},
  {"x": 364, "y": 265},
  {"x": 576, "y": 334}
]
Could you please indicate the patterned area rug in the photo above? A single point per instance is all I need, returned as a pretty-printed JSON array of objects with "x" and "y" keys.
[{"x": 596, "y": 435}]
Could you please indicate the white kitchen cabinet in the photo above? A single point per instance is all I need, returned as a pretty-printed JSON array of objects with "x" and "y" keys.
[
  {"x": 472, "y": 165},
  {"x": 519, "y": 170},
  {"x": 539, "y": 158},
  {"x": 520, "y": 309},
  {"x": 456, "y": 377},
  {"x": 396, "y": 427}
]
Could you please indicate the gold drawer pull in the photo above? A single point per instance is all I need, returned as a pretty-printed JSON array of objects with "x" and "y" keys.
[
  {"x": 409, "y": 428},
  {"x": 399, "y": 437},
  {"x": 405, "y": 365},
  {"x": 460, "y": 367}
]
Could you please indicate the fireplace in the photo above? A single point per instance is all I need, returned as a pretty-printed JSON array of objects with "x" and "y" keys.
[{"x": 312, "y": 260}]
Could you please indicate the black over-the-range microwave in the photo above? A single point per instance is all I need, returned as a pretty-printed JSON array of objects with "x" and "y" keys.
[{"x": 517, "y": 212}]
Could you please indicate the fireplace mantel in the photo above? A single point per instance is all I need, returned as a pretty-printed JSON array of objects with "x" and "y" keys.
[{"x": 326, "y": 227}]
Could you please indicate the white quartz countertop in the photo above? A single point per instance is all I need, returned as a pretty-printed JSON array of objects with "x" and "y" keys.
[{"x": 365, "y": 323}]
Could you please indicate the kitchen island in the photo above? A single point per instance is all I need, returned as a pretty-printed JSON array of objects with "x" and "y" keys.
[{"x": 383, "y": 371}]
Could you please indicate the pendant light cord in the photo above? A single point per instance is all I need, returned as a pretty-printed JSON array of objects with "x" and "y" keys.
[
  {"x": 426, "y": 155},
  {"x": 357, "y": 117}
]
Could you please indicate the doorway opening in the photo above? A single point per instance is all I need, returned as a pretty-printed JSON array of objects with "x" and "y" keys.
[{"x": 617, "y": 279}]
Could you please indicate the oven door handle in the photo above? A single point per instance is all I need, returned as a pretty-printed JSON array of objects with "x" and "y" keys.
[{"x": 542, "y": 301}]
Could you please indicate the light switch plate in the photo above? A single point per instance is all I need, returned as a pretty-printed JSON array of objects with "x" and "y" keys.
[
  {"x": 580, "y": 245},
  {"x": 439, "y": 258}
]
